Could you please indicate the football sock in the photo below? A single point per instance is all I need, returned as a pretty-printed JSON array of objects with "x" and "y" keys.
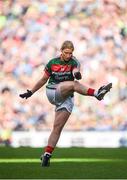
[
  {"x": 91, "y": 92},
  {"x": 49, "y": 149}
]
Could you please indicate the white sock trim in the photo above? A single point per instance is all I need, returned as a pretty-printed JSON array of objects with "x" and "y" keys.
[
  {"x": 95, "y": 93},
  {"x": 47, "y": 153}
]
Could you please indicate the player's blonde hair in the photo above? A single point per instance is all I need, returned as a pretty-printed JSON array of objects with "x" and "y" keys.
[{"x": 67, "y": 45}]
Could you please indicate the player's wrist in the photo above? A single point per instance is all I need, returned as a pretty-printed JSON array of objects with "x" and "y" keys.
[{"x": 30, "y": 92}]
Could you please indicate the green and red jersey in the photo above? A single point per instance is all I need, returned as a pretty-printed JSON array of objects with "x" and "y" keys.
[{"x": 59, "y": 71}]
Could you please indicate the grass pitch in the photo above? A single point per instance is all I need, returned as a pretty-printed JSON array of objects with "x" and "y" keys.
[{"x": 66, "y": 163}]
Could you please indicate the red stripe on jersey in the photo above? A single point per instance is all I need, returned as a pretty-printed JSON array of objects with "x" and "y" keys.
[
  {"x": 47, "y": 72},
  {"x": 61, "y": 68}
]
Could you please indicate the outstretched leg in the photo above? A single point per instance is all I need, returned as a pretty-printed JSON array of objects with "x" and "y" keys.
[{"x": 68, "y": 87}]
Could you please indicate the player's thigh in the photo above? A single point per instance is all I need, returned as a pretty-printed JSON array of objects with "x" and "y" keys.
[
  {"x": 66, "y": 88},
  {"x": 61, "y": 118}
]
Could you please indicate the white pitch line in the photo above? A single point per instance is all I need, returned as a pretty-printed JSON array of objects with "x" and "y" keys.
[{"x": 61, "y": 160}]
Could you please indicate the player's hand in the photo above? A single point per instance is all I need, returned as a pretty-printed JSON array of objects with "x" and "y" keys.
[
  {"x": 26, "y": 95},
  {"x": 78, "y": 75}
]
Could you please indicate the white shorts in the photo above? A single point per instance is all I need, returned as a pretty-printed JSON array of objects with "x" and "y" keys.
[{"x": 55, "y": 98}]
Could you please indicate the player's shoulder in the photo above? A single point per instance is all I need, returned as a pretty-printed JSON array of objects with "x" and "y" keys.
[
  {"x": 75, "y": 60},
  {"x": 55, "y": 59}
]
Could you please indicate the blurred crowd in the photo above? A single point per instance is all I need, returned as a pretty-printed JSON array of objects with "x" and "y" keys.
[{"x": 31, "y": 33}]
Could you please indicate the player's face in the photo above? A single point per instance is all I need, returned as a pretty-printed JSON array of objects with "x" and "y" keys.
[{"x": 66, "y": 54}]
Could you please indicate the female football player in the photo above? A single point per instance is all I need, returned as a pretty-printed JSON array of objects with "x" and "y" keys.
[{"x": 62, "y": 74}]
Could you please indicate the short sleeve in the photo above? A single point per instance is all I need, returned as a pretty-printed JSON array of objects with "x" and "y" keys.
[
  {"x": 47, "y": 68},
  {"x": 76, "y": 63}
]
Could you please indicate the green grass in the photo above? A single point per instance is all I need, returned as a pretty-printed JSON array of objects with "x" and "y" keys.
[{"x": 66, "y": 163}]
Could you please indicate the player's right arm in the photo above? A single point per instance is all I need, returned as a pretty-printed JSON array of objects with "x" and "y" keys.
[
  {"x": 36, "y": 87},
  {"x": 40, "y": 83}
]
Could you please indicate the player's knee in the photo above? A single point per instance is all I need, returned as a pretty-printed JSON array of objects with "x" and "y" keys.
[
  {"x": 73, "y": 86},
  {"x": 76, "y": 83}
]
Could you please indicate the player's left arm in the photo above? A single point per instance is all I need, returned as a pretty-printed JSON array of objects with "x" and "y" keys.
[{"x": 76, "y": 70}]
